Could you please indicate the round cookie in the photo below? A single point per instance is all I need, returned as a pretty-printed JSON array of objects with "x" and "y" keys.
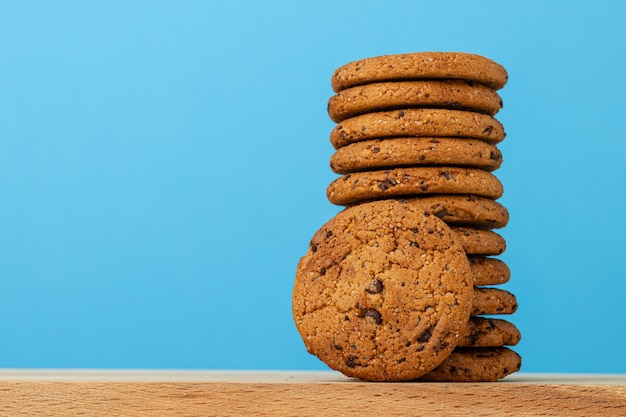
[
  {"x": 449, "y": 94},
  {"x": 479, "y": 241},
  {"x": 383, "y": 292},
  {"x": 409, "y": 181},
  {"x": 419, "y": 123},
  {"x": 413, "y": 151},
  {"x": 488, "y": 332},
  {"x": 420, "y": 65},
  {"x": 476, "y": 365},
  {"x": 489, "y": 271},
  {"x": 490, "y": 301},
  {"x": 463, "y": 210}
]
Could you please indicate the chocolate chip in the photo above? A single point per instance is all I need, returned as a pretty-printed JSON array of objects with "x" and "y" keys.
[
  {"x": 375, "y": 287},
  {"x": 313, "y": 247},
  {"x": 400, "y": 114},
  {"x": 375, "y": 149},
  {"x": 424, "y": 336},
  {"x": 351, "y": 362},
  {"x": 401, "y": 360},
  {"x": 414, "y": 244},
  {"x": 421, "y": 158},
  {"x": 495, "y": 156},
  {"x": 329, "y": 233},
  {"x": 434, "y": 141},
  {"x": 373, "y": 315},
  {"x": 488, "y": 130},
  {"x": 424, "y": 188},
  {"x": 389, "y": 182},
  {"x": 475, "y": 336},
  {"x": 419, "y": 348},
  {"x": 427, "y": 95},
  {"x": 452, "y": 369},
  {"x": 446, "y": 174},
  {"x": 337, "y": 346},
  {"x": 363, "y": 129},
  {"x": 323, "y": 271},
  {"x": 441, "y": 212}
]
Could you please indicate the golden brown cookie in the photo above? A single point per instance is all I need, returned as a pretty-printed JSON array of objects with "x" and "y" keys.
[
  {"x": 489, "y": 332},
  {"x": 449, "y": 94},
  {"x": 468, "y": 210},
  {"x": 490, "y": 301},
  {"x": 489, "y": 271},
  {"x": 377, "y": 154},
  {"x": 409, "y": 181},
  {"x": 383, "y": 292},
  {"x": 420, "y": 66},
  {"x": 479, "y": 241},
  {"x": 418, "y": 123},
  {"x": 476, "y": 365}
]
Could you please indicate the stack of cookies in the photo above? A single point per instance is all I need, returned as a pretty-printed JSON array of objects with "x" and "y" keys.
[{"x": 400, "y": 284}]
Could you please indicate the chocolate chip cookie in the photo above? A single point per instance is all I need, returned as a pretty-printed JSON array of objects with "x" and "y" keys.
[
  {"x": 489, "y": 332},
  {"x": 420, "y": 66},
  {"x": 463, "y": 210},
  {"x": 479, "y": 241},
  {"x": 476, "y": 365},
  {"x": 489, "y": 271},
  {"x": 489, "y": 301},
  {"x": 376, "y": 154},
  {"x": 383, "y": 292},
  {"x": 408, "y": 181},
  {"x": 450, "y": 94},
  {"x": 417, "y": 123}
]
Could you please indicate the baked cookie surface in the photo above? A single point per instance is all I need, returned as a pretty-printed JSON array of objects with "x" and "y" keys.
[
  {"x": 489, "y": 271},
  {"x": 450, "y": 94},
  {"x": 479, "y": 241},
  {"x": 490, "y": 301},
  {"x": 383, "y": 292},
  {"x": 377, "y": 154},
  {"x": 476, "y": 365},
  {"x": 418, "y": 123},
  {"x": 409, "y": 181},
  {"x": 463, "y": 210},
  {"x": 489, "y": 332},
  {"x": 420, "y": 65}
]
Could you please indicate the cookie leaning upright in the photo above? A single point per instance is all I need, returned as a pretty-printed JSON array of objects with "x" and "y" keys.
[{"x": 383, "y": 293}]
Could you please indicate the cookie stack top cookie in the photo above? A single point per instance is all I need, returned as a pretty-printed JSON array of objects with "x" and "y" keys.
[
  {"x": 394, "y": 286},
  {"x": 421, "y": 66}
]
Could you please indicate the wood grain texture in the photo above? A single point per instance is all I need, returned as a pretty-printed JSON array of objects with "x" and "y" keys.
[{"x": 197, "y": 393}]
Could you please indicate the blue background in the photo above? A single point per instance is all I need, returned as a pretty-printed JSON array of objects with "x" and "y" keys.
[{"x": 163, "y": 165}]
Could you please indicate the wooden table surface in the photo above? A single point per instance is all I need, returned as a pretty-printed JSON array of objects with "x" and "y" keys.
[{"x": 293, "y": 393}]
